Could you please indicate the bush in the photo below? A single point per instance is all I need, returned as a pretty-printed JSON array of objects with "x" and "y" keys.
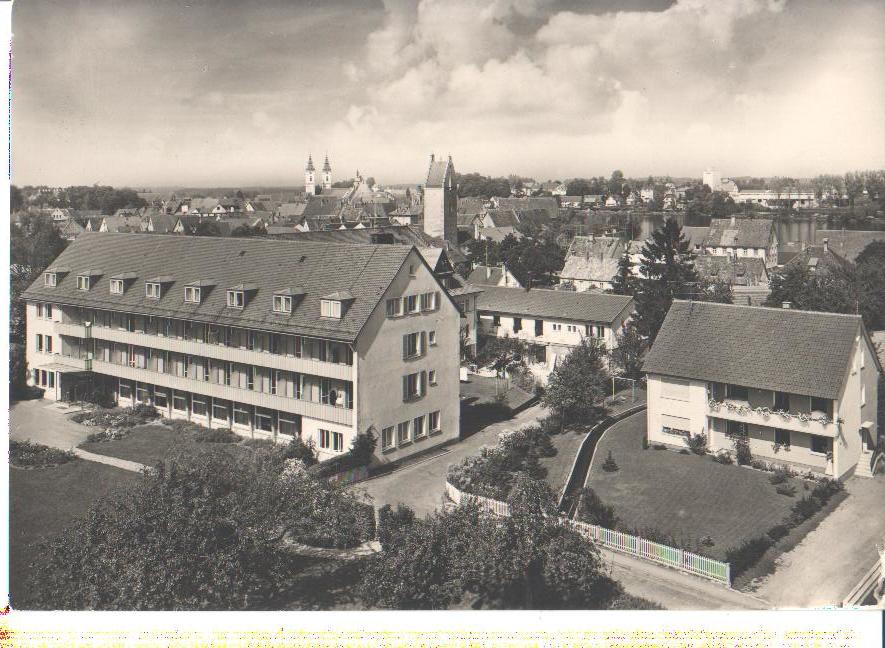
[
  {"x": 629, "y": 602},
  {"x": 742, "y": 450},
  {"x": 360, "y": 454},
  {"x": 659, "y": 446},
  {"x": 218, "y": 435},
  {"x": 26, "y": 454},
  {"x": 100, "y": 397},
  {"x": 723, "y": 457},
  {"x": 593, "y": 510},
  {"x": 779, "y": 476},
  {"x": 684, "y": 451},
  {"x": 804, "y": 509},
  {"x": 758, "y": 464},
  {"x": 391, "y": 522},
  {"x": 778, "y": 531},
  {"x": 610, "y": 465},
  {"x": 747, "y": 554},
  {"x": 697, "y": 443},
  {"x": 144, "y": 412},
  {"x": 786, "y": 489},
  {"x": 298, "y": 449},
  {"x": 825, "y": 489}
]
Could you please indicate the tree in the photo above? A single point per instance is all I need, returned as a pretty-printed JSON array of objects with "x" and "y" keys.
[
  {"x": 628, "y": 351},
  {"x": 207, "y": 228},
  {"x": 503, "y": 354},
  {"x": 616, "y": 183},
  {"x": 667, "y": 267},
  {"x": 576, "y": 389},
  {"x": 579, "y": 187},
  {"x": 869, "y": 275},
  {"x": 624, "y": 282},
  {"x": 593, "y": 510},
  {"x": 474, "y": 184},
  {"x": 16, "y": 200}
]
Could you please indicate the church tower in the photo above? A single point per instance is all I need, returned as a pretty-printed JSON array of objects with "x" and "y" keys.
[
  {"x": 441, "y": 200},
  {"x": 310, "y": 180},
  {"x": 327, "y": 176}
]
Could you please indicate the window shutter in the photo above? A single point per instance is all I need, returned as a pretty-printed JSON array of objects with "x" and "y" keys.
[
  {"x": 405, "y": 388},
  {"x": 422, "y": 389},
  {"x": 405, "y": 346},
  {"x": 423, "y": 348}
]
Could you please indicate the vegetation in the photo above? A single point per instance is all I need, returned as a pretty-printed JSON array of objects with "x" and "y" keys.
[
  {"x": 392, "y": 523},
  {"x": 359, "y": 454},
  {"x": 610, "y": 465},
  {"x": 625, "y": 281},
  {"x": 577, "y": 388},
  {"x": 592, "y": 509},
  {"x": 534, "y": 260},
  {"x": 480, "y": 186},
  {"x": 697, "y": 443},
  {"x": 627, "y": 355},
  {"x": 101, "y": 197},
  {"x": 26, "y": 454}
]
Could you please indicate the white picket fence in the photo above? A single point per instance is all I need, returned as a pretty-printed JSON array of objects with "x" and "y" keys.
[{"x": 680, "y": 559}]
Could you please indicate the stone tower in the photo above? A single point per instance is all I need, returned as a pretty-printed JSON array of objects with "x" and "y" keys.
[
  {"x": 327, "y": 176},
  {"x": 441, "y": 200},
  {"x": 310, "y": 179}
]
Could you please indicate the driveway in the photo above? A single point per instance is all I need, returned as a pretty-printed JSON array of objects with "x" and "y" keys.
[
  {"x": 45, "y": 422},
  {"x": 421, "y": 485},
  {"x": 823, "y": 568}
]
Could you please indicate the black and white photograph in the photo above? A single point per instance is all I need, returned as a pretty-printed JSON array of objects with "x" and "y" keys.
[{"x": 447, "y": 305}]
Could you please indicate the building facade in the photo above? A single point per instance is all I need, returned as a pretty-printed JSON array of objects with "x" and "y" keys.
[
  {"x": 799, "y": 386},
  {"x": 743, "y": 237},
  {"x": 271, "y": 339},
  {"x": 441, "y": 200}
]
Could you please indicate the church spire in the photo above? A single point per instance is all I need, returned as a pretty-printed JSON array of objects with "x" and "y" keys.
[
  {"x": 326, "y": 166},
  {"x": 309, "y": 166}
]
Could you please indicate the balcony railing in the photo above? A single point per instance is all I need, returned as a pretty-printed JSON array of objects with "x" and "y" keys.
[
  {"x": 270, "y": 401},
  {"x": 813, "y": 423}
]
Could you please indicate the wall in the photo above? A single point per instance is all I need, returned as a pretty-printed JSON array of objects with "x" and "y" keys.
[
  {"x": 381, "y": 366},
  {"x": 693, "y": 408},
  {"x": 34, "y": 358},
  {"x": 862, "y": 377},
  {"x": 561, "y": 337}
]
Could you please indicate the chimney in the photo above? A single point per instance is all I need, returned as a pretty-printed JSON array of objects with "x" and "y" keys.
[
  {"x": 826, "y": 245},
  {"x": 733, "y": 220},
  {"x": 786, "y": 305}
]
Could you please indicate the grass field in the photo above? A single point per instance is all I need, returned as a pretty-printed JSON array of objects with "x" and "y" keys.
[
  {"x": 148, "y": 444},
  {"x": 685, "y": 496},
  {"x": 44, "y": 501}
]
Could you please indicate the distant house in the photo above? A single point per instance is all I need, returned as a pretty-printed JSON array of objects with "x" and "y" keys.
[
  {"x": 571, "y": 201},
  {"x": 552, "y": 322},
  {"x": 591, "y": 262},
  {"x": 546, "y": 203},
  {"x": 594, "y": 200},
  {"x": 633, "y": 198},
  {"x": 71, "y": 229},
  {"x": 158, "y": 223},
  {"x": 695, "y": 237},
  {"x": 742, "y": 237},
  {"x": 848, "y": 243},
  {"x": 735, "y": 271},
  {"x": 122, "y": 221},
  {"x": 498, "y": 234},
  {"x": 60, "y": 215},
  {"x": 613, "y": 201},
  {"x": 647, "y": 194},
  {"x": 799, "y": 386},
  {"x": 483, "y": 275},
  {"x": 820, "y": 260}
]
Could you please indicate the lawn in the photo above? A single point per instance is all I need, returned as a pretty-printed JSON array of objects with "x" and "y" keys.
[
  {"x": 685, "y": 496},
  {"x": 147, "y": 444},
  {"x": 484, "y": 389},
  {"x": 44, "y": 501}
]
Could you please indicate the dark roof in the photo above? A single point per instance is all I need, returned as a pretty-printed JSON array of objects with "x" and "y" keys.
[
  {"x": 320, "y": 268},
  {"x": 739, "y": 232},
  {"x": 818, "y": 260},
  {"x": 799, "y": 352},
  {"x": 553, "y": 304},
  {"x": 498, "y": 234},
  {"x": 738, "y": 271},
  {"x": 695, "y": 235},
  {"x": 483, "y": 275},
  {"x": 848, "y": 243},
  {"x": 436, "y": 174},
  {"x": 502, "y": 217}
]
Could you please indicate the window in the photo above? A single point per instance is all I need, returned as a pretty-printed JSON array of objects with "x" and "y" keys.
[
  {"x": 735, "y": 429},
  {"x": 737, "y": 392},
  {"x": 394, "y": 307},
  {"x": 49, "y": 279},
  {"x": 413, "y": 345},
  {"x": 219, "y": 410},
  {"x": 863, "y": 389},
  {"x": 242, "y": 415},
  {"x": 125, "y": 389},
  {"x": 418, "y": 427},
  {"x": 496, "y": 320},
  {"x": 48, "y": 344},
  {"x": 782, "y": 437},
  {"x": 431, "y": 338},
  {"x": 387, "y": 438},
  {"x": 282, "y": 304},
  {"x": 192, "y": 294},
  {"x": 51, "y": 377},
  {"x": 331, "y": 440},
  {"x": 431, "y": 376},
  {"x": 675, "y": 425},
  {"x": 413, "y": 385},
  {"x": 433, "y": 421},
  {"x": 117, "y": 286},
  {"x": 824, "y": 405},
  {"x": 517, "y": 324},
  {"x": 152, "y": 290},
  {"x": 82, "y": 282},
  {"x": 41, "y": 311},
  {"x": 141, "y": 393},
  {"x": 274, "y": 380},
  {"x": 413, "y": 269},
  {"x": 330, "y": 308},
  {"x": 198, "y": 406},
  {"x": 263, "y": 420},
  {"x": 289, "y": 426},
  {"x": 235, "y": 299},
  {"x": 557, "y": 327},
  {"x": 539, "y": 327},
  {"x": 781, "y": 401},
  {"x": 674, "y": 389},
  {"x": 429, "y": 301},
  {"x": 39, "y": 342},
  {"x": 821, "y": 444},
  {"x": 412, "y": 305},
  {"x": 402, "y": 433},
  {"x": 160, "y": 399},
  {"x": 250, "y": 377},
  {"x": 179, "y": 402}
]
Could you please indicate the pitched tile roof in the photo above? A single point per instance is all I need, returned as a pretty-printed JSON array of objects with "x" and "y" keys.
[
  {"x": 738, "y": 271},
  {"x": 848, "y": 243},
  {"x": 553, "y": 304},
  {"x": 799, "y": 352},
  {"x": 498, "y": 234},
  {"x": 501, "y": 218},
  {"x": 592, "y": 258},
  {"x": 695, "y": 235},
  {"x": 320, "y": 268},
  {"x": 483, "y": 275},
  {"x": 436, "y": 174},
  {"x": 739, "y": 232}
]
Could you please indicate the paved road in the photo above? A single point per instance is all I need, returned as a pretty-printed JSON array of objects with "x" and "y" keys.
[
  {"x": 45, "y": 422},
  {"x": 823, "y": 568},
  {"x": 420, "y": 485}
]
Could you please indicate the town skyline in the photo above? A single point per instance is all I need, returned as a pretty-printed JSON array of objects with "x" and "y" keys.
[{"x": 539, "y": 89}]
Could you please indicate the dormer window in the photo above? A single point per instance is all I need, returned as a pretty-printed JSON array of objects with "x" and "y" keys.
[
  {"x": 117, "y": 287},
  {"x": 330, "y": 308},
  {"x": 82, "y": 282},
  {"x": 235, "y": 299},
  {"x": 152, "y": 290},
  {"x": 50, "y": 279},
  {"x": 282, "y": 304},
  {"x": 192, "y": 294}
]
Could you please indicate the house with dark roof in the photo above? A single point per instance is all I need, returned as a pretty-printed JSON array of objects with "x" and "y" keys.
[
  {"x": 735, "y": 271},
  {"x": 799, "y": 386},
  {"x": 820, "y": 260},
  {"x": 552, "y": 322},
  {"x": 743, "y": 237},
  {"x": 848, "y": 243},
  {"x": 591, "y": 262},
  {"x": 273, "y": 339},
  {"x": 483, "y": 275}
]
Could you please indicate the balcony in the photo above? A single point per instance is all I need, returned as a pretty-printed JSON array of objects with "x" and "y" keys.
[
  {"x": 733, "y": 410},
  {"x": 72, "y": 330},
  {"x": 220, "y": 352},
  {"x": 269, "y": 401}
]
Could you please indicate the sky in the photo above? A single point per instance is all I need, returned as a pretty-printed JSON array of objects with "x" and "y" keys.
[{"x": 236, "y": 92}]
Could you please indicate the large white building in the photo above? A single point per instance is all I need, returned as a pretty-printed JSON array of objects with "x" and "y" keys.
[
  {"x": 800, "y": 386},
  {"x": 269, "y": 338}
]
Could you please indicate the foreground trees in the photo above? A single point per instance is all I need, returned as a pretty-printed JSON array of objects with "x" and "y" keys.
[{"x": 576, "y": 389}]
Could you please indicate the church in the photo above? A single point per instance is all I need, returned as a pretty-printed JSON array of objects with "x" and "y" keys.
[{"x": 310, "y": 177}]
